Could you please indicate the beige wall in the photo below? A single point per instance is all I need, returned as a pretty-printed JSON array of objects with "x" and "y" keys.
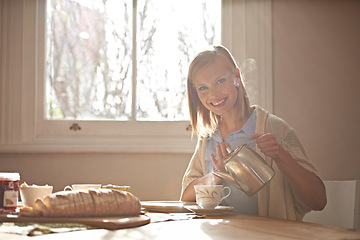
[
  {"x": 317, "y": 80},
  {"x": 151, "y": 176},
  {"x": 316, "y": 83}
]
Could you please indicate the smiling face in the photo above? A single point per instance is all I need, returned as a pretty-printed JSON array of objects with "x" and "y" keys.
[{"x": 216, "y": 90}]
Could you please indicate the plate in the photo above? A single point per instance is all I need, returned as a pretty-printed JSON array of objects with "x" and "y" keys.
[
  {"x": 212, "y": 211},
  {"x": 166, "y": 206}
]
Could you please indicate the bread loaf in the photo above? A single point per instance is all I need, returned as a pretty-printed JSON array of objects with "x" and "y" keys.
[{"x": 86, "y": 203}]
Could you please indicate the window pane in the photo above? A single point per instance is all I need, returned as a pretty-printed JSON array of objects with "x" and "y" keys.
[
  {"x": 89, "y": 56},
  {"x": 169, "y": 34},
  {"x": 89, "y": 59}
]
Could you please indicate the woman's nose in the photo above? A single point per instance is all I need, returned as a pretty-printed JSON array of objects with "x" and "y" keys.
[{"x": 213, "y": 92}]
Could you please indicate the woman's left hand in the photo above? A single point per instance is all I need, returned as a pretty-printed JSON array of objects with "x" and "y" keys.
[
  {"x": 267, "y": 144},
  {"x": 307, "y": 186}
]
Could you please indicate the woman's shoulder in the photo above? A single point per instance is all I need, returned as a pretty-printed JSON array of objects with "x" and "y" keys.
[{"x": 275, "y": 122}]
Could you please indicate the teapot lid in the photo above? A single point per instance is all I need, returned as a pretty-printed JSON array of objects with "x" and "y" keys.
[{"x": 233, "y": 152}]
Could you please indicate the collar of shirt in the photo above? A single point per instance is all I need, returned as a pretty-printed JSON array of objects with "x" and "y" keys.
[{"x": 248, "y": 129}]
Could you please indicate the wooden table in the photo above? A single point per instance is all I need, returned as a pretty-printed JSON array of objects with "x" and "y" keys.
[{"x": 230, "y": 226}]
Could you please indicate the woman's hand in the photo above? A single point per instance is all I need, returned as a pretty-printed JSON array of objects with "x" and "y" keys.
[
  {"x": 267, "y": 144},
  {"x": 221, "y": 154}
]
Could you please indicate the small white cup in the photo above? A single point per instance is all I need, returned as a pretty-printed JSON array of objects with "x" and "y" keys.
[
  {"x": 209, "y": 196},
  {"x": 82, "y": 187},
  {"x": 29, "y": 194}
]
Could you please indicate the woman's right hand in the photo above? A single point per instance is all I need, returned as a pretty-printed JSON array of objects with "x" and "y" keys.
[{"x": 221, "y": 154}]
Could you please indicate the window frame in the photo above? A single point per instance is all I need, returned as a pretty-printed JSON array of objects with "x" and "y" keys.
[{"x": 23, "y": 128}]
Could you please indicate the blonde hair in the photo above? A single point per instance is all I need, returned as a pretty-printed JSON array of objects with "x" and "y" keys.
[{"x": 203, "y": 121}]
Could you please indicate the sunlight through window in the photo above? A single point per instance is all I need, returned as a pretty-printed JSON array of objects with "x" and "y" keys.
[{"x": 104, "y": 63}]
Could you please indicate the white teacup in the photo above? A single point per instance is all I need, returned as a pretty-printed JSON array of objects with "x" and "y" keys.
[
  {"x": 82, "y": 187},
  {"x": 209, "y": 196},
  {"x": 29, "y": 194}
]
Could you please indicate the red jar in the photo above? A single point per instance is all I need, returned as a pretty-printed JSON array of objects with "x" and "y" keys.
[{"x": 9, "y": 190}]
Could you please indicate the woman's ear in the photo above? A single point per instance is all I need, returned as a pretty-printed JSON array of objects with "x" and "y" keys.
[{"x": 237, "y": 81}]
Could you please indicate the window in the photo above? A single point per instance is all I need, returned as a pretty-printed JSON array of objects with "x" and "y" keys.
[
  {"x": 124, "y": 60},
  {"x": 32, "y": 121}
]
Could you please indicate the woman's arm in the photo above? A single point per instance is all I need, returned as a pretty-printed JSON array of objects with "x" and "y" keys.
[{"x": 308, "y": 187}]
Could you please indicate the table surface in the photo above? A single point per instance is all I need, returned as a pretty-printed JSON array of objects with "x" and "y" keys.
[{"x": 229, "y": 226}]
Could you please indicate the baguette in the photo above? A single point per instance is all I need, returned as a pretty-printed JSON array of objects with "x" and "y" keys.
[{"x": 89, "y": 203}]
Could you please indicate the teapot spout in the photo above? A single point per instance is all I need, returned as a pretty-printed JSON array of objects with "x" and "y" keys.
[{"x": 227, "y": 177}]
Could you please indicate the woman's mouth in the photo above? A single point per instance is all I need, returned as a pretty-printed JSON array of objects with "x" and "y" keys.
[{"x": 218, "y": 103}]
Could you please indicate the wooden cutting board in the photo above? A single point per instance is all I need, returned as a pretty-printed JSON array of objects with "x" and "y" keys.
[{"x": 111, "y": 223}]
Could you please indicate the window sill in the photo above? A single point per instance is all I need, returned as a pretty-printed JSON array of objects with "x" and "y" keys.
[{"x": 144, "y": 146}]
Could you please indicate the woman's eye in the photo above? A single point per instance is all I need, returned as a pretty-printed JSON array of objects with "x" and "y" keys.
[
  {"x": 202, "y": 88},
  {"x": 221, "y": 80}
]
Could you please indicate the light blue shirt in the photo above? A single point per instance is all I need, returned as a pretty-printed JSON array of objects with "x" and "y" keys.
[{"x": 238, "y": 199}]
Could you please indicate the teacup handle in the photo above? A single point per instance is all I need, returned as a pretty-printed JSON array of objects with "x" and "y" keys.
[
  {"x": 68, "y": 188},
  {"x": 226, "y": 194}
]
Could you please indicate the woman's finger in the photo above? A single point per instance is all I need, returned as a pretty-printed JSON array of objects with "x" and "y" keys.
[
  {"x": 219, "y": 154},
  {"x": 218, "y": 164},
  {"x": 223, "y": 150}
]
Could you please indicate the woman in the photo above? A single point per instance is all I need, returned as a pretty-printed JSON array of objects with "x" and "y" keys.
[{"x": 221, "y": 116}]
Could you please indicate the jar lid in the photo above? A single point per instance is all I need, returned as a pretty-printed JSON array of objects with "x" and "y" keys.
[{"x": 10, "y": 175}]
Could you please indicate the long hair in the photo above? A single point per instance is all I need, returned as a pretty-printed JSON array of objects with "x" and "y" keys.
[{"x": 203, "y": 121}]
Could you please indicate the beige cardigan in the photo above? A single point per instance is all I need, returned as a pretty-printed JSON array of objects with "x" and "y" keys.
[{"x": 276, "y": 199}]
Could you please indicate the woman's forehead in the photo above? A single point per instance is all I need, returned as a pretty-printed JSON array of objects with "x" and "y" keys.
[{"x": 211, "y": 71}]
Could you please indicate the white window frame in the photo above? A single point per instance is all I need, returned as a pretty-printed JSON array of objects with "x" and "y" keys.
[{"x": 246, "y": 31}]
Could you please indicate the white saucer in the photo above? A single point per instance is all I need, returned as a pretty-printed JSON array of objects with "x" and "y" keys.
[
  {"x": 212, "y": 211},
  {"x": 166, "y": 206}
]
